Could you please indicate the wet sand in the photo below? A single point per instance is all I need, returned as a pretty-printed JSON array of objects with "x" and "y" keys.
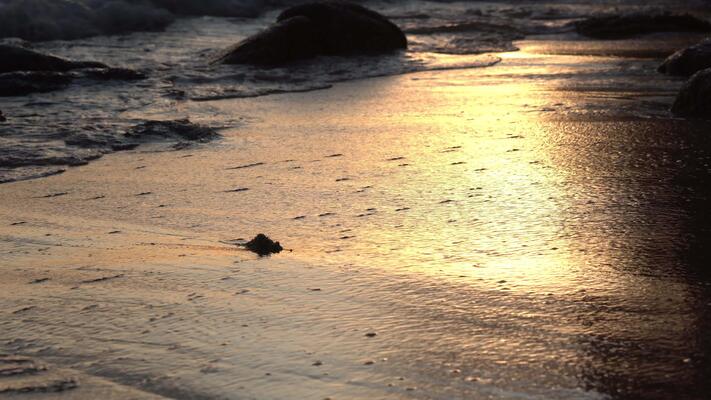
[{"x": 535, "y": 229}]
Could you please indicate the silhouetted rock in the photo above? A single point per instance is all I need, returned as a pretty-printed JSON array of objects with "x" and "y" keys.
[
  {"x": 688, "y": 61},
  {"x": 15, "y": 58},
  {"x": 263, "y": 246},
  {"x": 24, "y": 71},
  {"x": 289, "y": 40},
  {"x": 321, "y": 28},
  {"x": 625, "y": 26},
  {"x": 694, "y": 98}
]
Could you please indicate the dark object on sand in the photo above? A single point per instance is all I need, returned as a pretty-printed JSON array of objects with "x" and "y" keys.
[
  {"x": 2, "y": 117},
  {"x": 15, "y": 58},
  {"x": 181, "y": 129},
  {"x": 625, "y": 26},
  {"x": 263, "y": 246},
  {"x": 688, "y": 61},
  {"x": 694, "y": 98},
  {"x": 320, "y": 28}
]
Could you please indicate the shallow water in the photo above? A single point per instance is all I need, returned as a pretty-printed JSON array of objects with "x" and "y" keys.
[
  {"x": 534, "y": 229},
  {"x": 47, "y": 130}
]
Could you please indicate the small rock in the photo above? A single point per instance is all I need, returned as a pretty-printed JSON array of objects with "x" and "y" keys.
[
  {"x": 263, "y": 245},
  {"x": 16, "y": 58}
]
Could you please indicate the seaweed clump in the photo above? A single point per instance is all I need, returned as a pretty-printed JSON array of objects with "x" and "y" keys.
[{"x": 263, "y": 245}]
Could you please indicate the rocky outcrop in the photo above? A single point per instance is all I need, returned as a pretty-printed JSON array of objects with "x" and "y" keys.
[
  {"x": 694, "y": 98},
  {"x": 16, "y": 58},
  {"x": 24, "y": 71},
  {"x": 629, "y": 25},
  {"x": 688, "y": 61},
  {"x": 321, "y": 28}
]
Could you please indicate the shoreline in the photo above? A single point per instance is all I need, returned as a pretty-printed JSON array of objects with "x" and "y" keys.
[{"x": 441, "y": 211}]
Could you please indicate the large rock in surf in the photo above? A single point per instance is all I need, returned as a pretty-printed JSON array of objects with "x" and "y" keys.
[
  {"x": 688, "y": 61},
  {"x": 320, "y": 28},
  {"x": 694, "y": 98},
  {"x": 24, "y": 71},
  {"x": 629, "y": 25},
  {"x": 15, "y": 58}
]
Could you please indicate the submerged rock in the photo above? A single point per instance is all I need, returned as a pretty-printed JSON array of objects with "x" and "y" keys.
[
  {"x": 320, "y": 28},
  {"x": 694, "y": 98},
  {"x": 22, "y": 83},
  {"x": 24, "y": 71},
  {"x": 625, "y": 26},
  {"x": 16, "y": 58},
  {"x": 180, "y": 129},
  {"x": 688, "y": 61},
  {"x": 262, "y": 245},
  {"x": 109, "y": 73}
]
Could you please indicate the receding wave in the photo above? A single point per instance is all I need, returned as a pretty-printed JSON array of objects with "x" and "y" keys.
[
  {"x": 39, "y": 20},
  {"x": 42, "y": 20},
  {"x": 86, "y": 117}
]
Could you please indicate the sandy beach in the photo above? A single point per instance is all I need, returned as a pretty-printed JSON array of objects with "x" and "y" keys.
[{"x": 531, "y": 230}]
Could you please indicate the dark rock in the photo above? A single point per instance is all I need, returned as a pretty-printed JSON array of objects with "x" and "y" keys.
[
  {"x": 24, "y": 71},
  {"x": 349, "y": 27},
  {"x": 688, "y": 61},
  {"x": 320, "y": 28},
  {"x": 178, "y": 129},
  {"x": 287, "y": 41},
  {"x": 22, "y": 83},
  {"x": 263, "y": 246},
  {"x": 625, "y": 26},
  {"x": 694, "y": 98},
  {"x": 123, "y": 74},
  {"x": 15, "y": 58}
]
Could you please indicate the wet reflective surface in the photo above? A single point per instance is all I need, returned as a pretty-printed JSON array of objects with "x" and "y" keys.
[{"x": 536, "y": 229}]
